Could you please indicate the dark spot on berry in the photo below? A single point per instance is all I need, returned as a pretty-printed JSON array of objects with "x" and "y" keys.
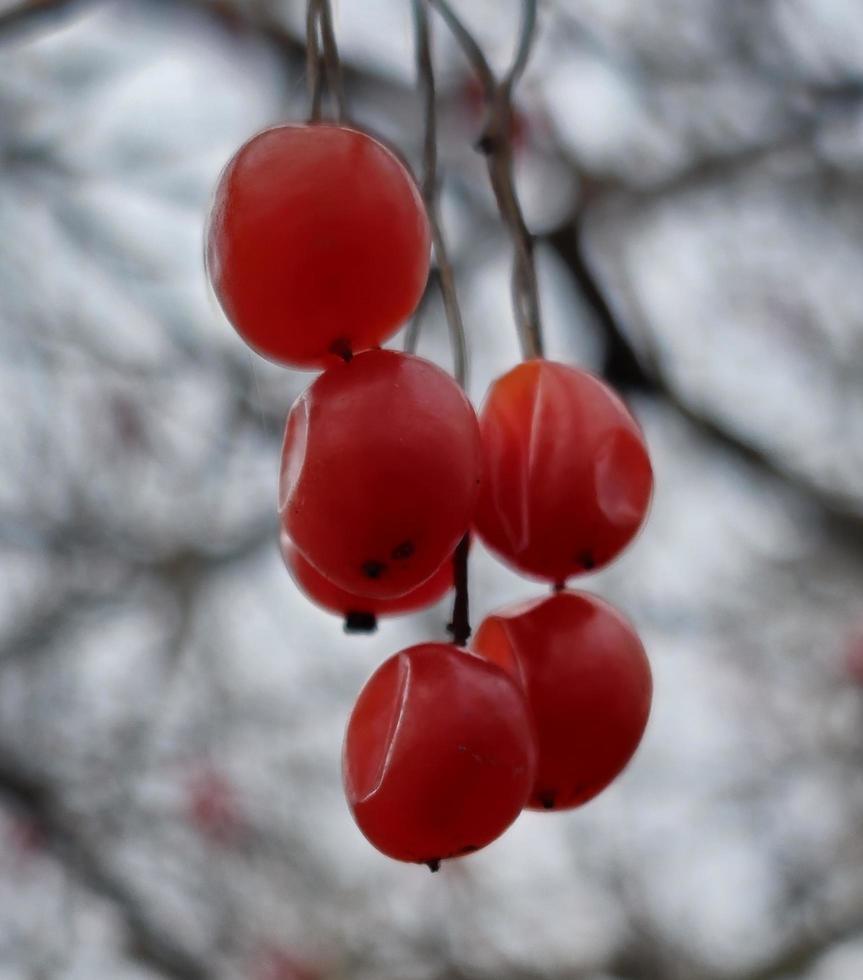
[
  {"x": 403, "y": 551},
  {"x": 468, "y": 849},
  {"x": 360, "y": 622},
  {"x": 433, "y": 865},
  {"x": 546, "y": 801},
  {"x": 586, "y": 560},
  {"x": 341, "y": 348},
  {"x": 374, "y": 568}
]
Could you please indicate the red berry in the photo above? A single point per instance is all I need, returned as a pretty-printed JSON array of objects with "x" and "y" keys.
[
  {"x": 588, "y": 684},
  {"x": 213, "y": 808},
  {"x": 380, "y": 471},
  {"x": 567, "y": 476},
  {"x": 330, "y": 597},
  {"x": 439, "y": 754},
  {"x": 277, "y": 964},
  {"x": 318, "y": 243},
  {"x": 854, "y": 655}
]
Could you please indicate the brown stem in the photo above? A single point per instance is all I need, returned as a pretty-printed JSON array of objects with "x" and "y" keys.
[
  {"x": 496, "y": 143},
  {"x": 460, "y": 625}
]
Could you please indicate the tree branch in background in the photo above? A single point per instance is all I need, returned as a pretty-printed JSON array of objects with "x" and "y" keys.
[
  {"x": 624, "y": 368},
  {"x": 38, "y": 801},
  {"x": 34, "y": 15}
]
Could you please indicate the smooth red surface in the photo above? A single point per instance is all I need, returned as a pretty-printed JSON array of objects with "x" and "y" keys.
[
  {"x": 330, "y": 597},
  {"x": 318, "y": 243},
  {"x": 439, "y": 754},
  {"x": 588, "y": 684},
  {"x": 380, "y": 471},
  {"x": 567, "y": 475}
]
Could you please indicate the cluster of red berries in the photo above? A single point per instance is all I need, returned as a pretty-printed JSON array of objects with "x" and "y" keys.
[{"x": 318, "y": 249}]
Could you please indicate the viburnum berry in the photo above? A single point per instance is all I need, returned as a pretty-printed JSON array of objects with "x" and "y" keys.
[
  {"x": 588, "y": 684},
  {"x": 318, "y": 243},
  {"x": 567, "y": 477},
  {"x": 439, "y": 754},
  {"x": 360, "y": 612},
  {"x": 213, "y": 807},
  {"x": 380, "y": 471}
]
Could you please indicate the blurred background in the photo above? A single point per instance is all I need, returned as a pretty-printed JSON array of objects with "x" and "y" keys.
[{"x": 171, "y": 709}]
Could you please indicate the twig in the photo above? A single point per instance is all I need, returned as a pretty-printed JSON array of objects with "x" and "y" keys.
[
  {"x": 430, "y": 189},
  {"x": 496, "y": 143},
  {"x": 33, "y": 13}
]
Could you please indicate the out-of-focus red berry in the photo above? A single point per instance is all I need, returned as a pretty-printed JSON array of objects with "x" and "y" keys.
[
  {"x": 318, "y": 243},
  {"x": 330, "y": 597},
  {"x": 213, "y": 808},
  {"x": 380, "y": 471},
  {"x": 567, "y": 478},
  {"x": 278, "y": 964},
  {"x": 439, "y": 754},
  {"x": 854, "y": 655},
  {"x": 519, "y": 124},
  {"x": 26, "y": 838},
  {"x": 588, "y": 684}
]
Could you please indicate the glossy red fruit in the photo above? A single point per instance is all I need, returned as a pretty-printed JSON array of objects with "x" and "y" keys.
[
  {"x": 588, "y": 684},
  {"x": 318, "y": 243},
  {"x": 354, "y": 608},
  {"x": 567, "y": 475},
  {"x": 380, "y": 471},
  {"x": 439, "y": 754}
]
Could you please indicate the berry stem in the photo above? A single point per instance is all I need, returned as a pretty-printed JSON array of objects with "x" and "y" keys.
[
  {"x": 496, "y": 144},
  {"x": 322, "y": 53},
  {"x": 460, "y": 625},
  {"x": 430, "y": 190}
]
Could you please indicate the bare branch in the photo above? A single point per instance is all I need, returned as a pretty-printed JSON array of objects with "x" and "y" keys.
[
  {"x": 149, "y": 943},
  {"x": 33, "y": 14}
]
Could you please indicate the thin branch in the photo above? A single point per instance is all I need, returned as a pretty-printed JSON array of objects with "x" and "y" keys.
[
  {"x": 469, "y": 45},
  {"x": 32, "y": 14},
  {"x": 430, "y": 189},
  {"x": 412, "y": 333},
  {"x": 526, "y": 38},
  {"x": 496, "y": 143}
]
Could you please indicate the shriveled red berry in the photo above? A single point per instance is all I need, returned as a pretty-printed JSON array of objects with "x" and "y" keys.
[
  {"x": 567, "y": 475},
  {"x": 358, "y": 609},
  {"x": 380, "y": 471},
  {"x": 588, "y": 684},
  {"x": 439, "y": 754},
  {"x": 318, "y": 243}
]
